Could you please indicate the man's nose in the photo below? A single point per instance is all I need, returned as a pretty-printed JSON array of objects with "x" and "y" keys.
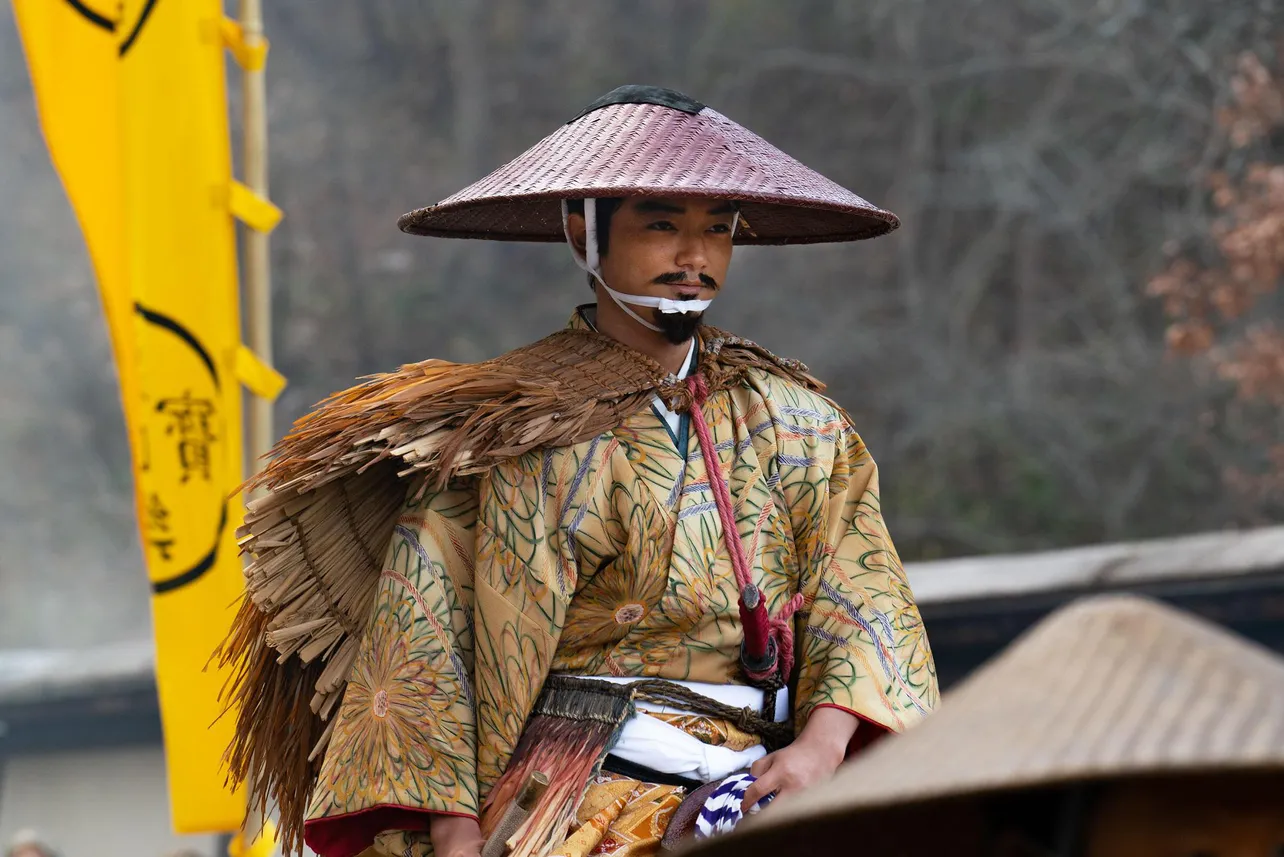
[{"x": 691, "y": 256}]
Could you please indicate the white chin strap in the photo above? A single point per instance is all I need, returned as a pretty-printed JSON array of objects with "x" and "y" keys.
[{"x": 591, "y": 262}]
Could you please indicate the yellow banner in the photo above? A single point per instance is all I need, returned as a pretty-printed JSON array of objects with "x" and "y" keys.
[{"x": 133, "y": 105}]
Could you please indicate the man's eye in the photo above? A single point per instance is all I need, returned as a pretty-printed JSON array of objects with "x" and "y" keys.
[
  {"x": 720, "y": 228},
  {"x": 662, "y": 225}
]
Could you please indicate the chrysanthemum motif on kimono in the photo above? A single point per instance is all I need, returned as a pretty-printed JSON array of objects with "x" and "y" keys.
[{"x": 413, "y": 669}]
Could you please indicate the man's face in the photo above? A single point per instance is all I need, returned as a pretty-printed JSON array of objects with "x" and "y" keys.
[{"x": 671, "y": 248}]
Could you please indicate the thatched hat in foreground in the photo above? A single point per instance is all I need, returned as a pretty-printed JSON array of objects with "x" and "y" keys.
[{"x": 1109, "y": 688}]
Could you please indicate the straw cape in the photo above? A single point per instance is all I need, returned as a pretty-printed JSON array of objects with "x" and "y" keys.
[
  {"x": 1108, "y": 687},
  {"x": 646, "y": 141},
  {"x": 335, "y": 483}
]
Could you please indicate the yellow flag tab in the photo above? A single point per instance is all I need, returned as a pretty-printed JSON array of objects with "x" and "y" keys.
[
  {"x": 258, "y": 377},
  {"x": 248, "y": 58},
  {"x": 251, "y": 209},
  {"x": 263, "y": 846}
]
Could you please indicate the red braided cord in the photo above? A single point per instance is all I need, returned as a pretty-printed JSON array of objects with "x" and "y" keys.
[
  {"x": 782, "y": 630},
  {"x": 759, "y": 630}
]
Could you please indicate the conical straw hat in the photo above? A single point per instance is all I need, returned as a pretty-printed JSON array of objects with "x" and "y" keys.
[
  {"x": 646, "y": 141},
  {"x": 1107, "y": 687}
]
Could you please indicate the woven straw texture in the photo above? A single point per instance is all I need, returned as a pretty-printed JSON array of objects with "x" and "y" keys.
[
  {"x": 333, "y": 488},
  {"x": 1110, "y": 686},
  {"x": 651, "y": 150}
]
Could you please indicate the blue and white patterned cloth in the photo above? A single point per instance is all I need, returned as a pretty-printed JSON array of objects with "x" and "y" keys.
[{"x": 721, "y": 811}]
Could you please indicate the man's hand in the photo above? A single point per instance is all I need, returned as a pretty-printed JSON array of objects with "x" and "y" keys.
[
  {"x": 814, "y": 756},
  {"x": 455, "y": 836}
]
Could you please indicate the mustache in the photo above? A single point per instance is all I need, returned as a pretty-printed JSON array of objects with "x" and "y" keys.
[{"x": 680, "y": 277}]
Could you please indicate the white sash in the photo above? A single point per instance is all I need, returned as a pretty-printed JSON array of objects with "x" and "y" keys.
[{"x": 652, "y": 743}]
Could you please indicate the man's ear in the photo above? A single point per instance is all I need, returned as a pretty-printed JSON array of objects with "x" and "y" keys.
[{"x": 578, "y": 230}]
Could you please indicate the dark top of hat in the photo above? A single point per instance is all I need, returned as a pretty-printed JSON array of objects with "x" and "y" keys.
[{"x": 635, "y": 94}]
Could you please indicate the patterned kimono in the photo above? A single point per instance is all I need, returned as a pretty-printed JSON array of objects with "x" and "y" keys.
[{"x": 606, "y": 558}]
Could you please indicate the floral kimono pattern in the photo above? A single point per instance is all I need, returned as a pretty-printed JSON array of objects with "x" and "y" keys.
[{"x": 606, "y": 558}]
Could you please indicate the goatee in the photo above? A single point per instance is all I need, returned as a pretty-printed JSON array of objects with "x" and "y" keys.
[{"x": 679, "y": 327}]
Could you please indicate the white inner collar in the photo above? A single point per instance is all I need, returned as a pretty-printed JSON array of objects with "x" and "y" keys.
[
  {"x": 686, "y": 365},
  {"x": 672, "y": 418}
]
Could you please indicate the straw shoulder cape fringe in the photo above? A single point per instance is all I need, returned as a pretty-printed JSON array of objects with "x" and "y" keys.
[{"x": 332, "y": 491}]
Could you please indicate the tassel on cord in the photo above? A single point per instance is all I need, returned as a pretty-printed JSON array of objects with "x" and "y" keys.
[{"x": 768, "y": 647}]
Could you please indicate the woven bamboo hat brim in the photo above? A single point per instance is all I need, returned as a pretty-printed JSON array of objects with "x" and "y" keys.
[
  {"x": 644, "y": 141},
  {"x": 1108, "y": 687}
]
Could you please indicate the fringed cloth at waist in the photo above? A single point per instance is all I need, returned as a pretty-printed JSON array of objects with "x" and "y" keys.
[{"x": 571, "y": 727}]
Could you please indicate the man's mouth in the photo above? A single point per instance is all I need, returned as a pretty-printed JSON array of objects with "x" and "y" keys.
[{"x": 703, "y": 282}]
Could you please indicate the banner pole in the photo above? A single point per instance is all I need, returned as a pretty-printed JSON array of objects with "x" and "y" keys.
[
  {"x": 258, "y": 284},
  {"x": 258, "y": 271}
]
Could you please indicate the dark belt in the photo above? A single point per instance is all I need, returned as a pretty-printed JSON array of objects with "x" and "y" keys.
[{"x": 615, "y": 765}]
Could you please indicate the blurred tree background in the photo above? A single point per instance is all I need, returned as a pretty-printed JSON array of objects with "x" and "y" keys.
[{"x": 1062, "y": 168}]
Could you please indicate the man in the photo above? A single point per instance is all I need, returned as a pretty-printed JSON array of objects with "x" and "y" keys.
[{"x": 636, "y": 497}]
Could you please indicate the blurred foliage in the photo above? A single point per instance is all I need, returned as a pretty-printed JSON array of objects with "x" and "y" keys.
[
  {"x": 999, "y": 353},
  {"x": 1222, "y": 295}
]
